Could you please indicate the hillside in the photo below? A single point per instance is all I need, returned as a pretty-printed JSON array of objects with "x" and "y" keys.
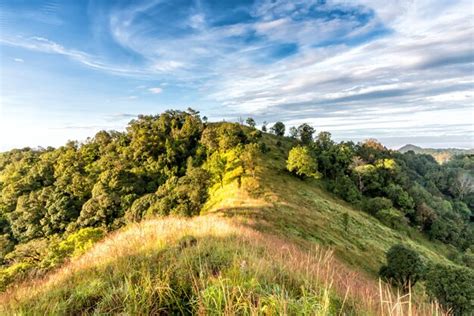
[
  {"x": 441, "y": 155},
  {"x": 303, "y": 212},
  {"x": 206, "y": 219}
]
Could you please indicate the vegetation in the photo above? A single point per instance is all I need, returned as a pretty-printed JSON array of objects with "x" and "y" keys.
[
  {"x": 55, "y": 204},
  {"x": 453, "y": 287},
  {"x": 404, "y": 267},
  {"x": 301, "y": 163}
]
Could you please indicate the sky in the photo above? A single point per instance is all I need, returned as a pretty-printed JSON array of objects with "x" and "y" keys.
[{"x": 398, "y": 71}]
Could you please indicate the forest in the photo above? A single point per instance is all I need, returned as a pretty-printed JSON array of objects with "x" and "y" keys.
[{"x": 56, "y": 202}]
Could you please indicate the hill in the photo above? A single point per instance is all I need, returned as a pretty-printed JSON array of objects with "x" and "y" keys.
[
  {"x": 441, "y": 155},
  {"x": 265, "y": 240}
]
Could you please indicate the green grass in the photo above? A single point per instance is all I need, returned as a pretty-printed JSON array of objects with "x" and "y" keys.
[
  {"x": 174, "y": 266},
  {"x": 302, "y": 211}
]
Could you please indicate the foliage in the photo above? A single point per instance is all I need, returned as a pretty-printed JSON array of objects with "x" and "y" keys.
[
  {"x": 80, "y": 241},
  {"x": 305, "y": 133},
  {"x": 15, "y": 272},
  {"x": 374, "y": 205},
  {"x": 250, "y": 122},
  {"x": 301, "y": 162},
  {"x": 278, "y": 129},
  {"x": 453, "y": 287},
  {"x": 404, "y": 267}
]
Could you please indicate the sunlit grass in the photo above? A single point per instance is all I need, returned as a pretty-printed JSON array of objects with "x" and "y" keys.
[{"x": 206, "y": 265}]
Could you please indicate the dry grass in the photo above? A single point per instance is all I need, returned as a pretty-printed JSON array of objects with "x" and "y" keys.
[{"x": 267, "y": 254}]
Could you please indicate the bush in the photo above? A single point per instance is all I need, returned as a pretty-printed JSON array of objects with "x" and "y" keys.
[
  {"x": 391, "y": 217},
  {"x": 453, "y": 287},
  {"x": 302, "y": 163},
  {"x": 80, "y": 241},
  {"x": 13, "y": 273},
  {"x": 141, "y": 207},
  {"x": 373, "y": 205},
  {"x": 345, "y": 188},
  {"x": 404, "y": 267}
]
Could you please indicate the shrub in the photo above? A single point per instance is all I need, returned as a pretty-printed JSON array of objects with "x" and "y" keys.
[
  {"x": 345, "y": 188},
  {"x": 404, "y": 267},
  {"x": 80, "y": 241},
  {"x": 453, "y": 287},
  {"x": 373, "y": 205},
  {"x": 12, "y": 273},
  {"x": 391, "y": 217},
  {"x": 302, "y": 163}
]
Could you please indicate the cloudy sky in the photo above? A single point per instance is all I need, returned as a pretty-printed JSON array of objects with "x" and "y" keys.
[{"x": 400, "y": 71}]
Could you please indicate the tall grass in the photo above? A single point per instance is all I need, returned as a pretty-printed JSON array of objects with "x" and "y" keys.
[{"x": 209, "y": 266}]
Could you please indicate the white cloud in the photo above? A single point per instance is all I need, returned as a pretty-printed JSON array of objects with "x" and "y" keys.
[
  {"x": 18, "y": 60},
  {"x": 44, "y": 45},
  {"x": 156, "y": 90},
  {"x": 423, "y": 64}
]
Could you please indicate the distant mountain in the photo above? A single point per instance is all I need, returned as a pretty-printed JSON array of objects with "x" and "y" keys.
[{"x": 440, "y": 154}]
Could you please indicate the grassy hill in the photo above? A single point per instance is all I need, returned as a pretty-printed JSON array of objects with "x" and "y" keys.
[{"x": 275, "y": 243}]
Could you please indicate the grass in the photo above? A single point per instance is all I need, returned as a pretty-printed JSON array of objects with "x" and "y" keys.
[
  {"x": 303, "y": 212},
  {"x": 276, "y": 245},
  {"x": 205, "y": 265}
]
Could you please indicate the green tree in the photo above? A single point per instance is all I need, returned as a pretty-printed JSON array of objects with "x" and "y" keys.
[
  {"x": 250, "y": 122},
  {"x": 249, "y": 158},
  {"x": 216, "y": 165},
  {"x": 452, "y": 287},
  {"x": 278, "y": 129},
  {"x": 230, "y": 135},
  {"x": 404, "y": 267},
  {"x": 293, "y": 132},
  {"x": 305, "y": 133},
  {"x": 302, "y": 163}
]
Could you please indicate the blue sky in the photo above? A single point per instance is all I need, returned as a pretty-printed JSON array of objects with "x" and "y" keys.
[{"x": 399, "y": 71}]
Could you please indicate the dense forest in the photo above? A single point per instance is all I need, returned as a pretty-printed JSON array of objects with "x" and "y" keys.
[{"x": 56, "y": 202}]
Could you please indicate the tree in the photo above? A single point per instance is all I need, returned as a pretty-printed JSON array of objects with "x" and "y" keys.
[
  {"x": 185, "y": 195},
  {"x": 264, "y": 126},
  {"x": 250, "y": 122},
  {"x": 404, "y": 267},
  {"x": 230, "y": 135},
  {"x": 302, "y": 163},
  {"x": 278, "y": 129},
  {"x": 400, "y": 198},
  {"x": 216, "y": 165},
  {"x": 293, "y": 132},
  {"x": 463, "y": 185},
  {"x": 324, "y": 141},
  {"x": 344, "y": 187},
  {"x": 453, "y": 287},
  {"x": 249, "y": 158},
  {"x": 305, "y": 133}
]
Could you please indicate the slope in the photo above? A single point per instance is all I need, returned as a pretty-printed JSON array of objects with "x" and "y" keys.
[
  {"x": 303, "y": 212},
  {"x": 255, "y": 249}
]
